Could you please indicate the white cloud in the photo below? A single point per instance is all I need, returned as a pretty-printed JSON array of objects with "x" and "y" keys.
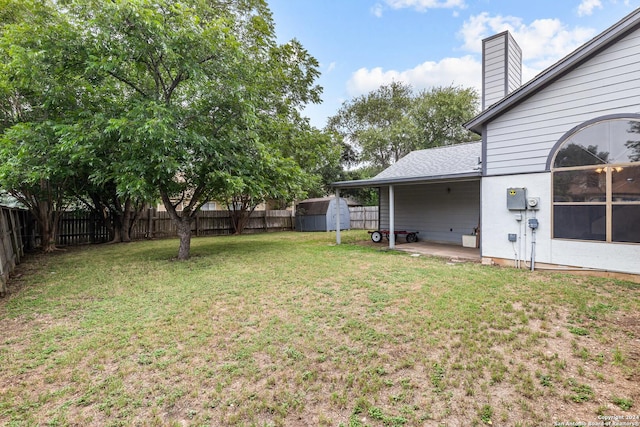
[
  {"x": 331, "y": 67},
  {"x": 543, "y": 42},
  {"x": 465, "y": 71},
  {"x": 376, "y": 10},
  {"x": 423, "y": 5},
  {"x": 587, "y": 6}
]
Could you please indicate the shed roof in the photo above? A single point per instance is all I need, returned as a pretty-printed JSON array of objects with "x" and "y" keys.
[
  {"x": 317, "y": 206},
  {"x": 585, "y": 52},
  {"x": 449, "y": 162}
]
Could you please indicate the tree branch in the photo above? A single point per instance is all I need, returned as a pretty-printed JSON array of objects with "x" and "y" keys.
[
  {"x": 128, "y": 83},
  {"x": 179, "y": 78}
]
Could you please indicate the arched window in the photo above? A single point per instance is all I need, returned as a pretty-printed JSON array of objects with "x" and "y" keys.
[{"x": 596, "y": 182}]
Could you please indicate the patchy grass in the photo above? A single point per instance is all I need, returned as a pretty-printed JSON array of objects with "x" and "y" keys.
[{"x": 289, "y": 329}]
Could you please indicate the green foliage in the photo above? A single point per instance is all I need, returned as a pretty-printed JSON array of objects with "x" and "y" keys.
[
  {"x": 485, "y": 413},
  {"x": 439, "y": 114},
  {"x": 39, "y": 93},
  {"x": 138, "y": 100},
  {"x": 578, "y": 331},
  {"x": 622, "y": 403},
  {"x": 582, "y": 392},
  {"x": 366, "y": 196},
  {"x": 377, "y": 124}
]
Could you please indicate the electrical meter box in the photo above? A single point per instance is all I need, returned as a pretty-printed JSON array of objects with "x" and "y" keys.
[
  {"x": 516, "y": 199},
  {"x": 533, "y": 203}
]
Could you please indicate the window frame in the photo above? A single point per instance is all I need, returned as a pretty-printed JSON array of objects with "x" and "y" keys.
[{"x": 607, "y": 168}]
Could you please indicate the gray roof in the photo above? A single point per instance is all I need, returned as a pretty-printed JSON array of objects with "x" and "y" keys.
[
  {"x": 619, "y": 30},
  {"x": 441, "y": 163}
]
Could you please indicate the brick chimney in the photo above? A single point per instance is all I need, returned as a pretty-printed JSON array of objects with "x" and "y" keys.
[{"x": 501, "y": 68}]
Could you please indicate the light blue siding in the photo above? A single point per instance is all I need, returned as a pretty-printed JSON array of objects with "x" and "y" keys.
[
  {"x": 441, "y": 212},
  {"x": 520, "y": 139}
]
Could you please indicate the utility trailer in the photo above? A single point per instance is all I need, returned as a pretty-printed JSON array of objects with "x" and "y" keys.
[{"x": 410, "y": 236}]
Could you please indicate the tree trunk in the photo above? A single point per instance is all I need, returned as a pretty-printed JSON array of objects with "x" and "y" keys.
[
  {"x": 45, "y": 207},
  {"x": 240, "y": 211},
  {"x": 184, "y": 233},
  {"x": 117, "y": 238},
  {"x": 126, "y": 221},
  {"x": 48, "y": 223},
  {"x": 122, "y": 218},
  {"x": 116, "y": 225},
  {"x": 183, "y": 221},
  {"x": 48, "y": 237},
  {"x": 239, "y": 219}
]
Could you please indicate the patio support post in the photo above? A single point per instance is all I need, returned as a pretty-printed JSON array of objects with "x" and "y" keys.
[
  {"x": 392, "y": 219},
  {"x": 338, "y": 216}
]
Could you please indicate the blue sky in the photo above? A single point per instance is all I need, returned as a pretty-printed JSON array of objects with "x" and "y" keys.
[{"x": 362, "y": 44}]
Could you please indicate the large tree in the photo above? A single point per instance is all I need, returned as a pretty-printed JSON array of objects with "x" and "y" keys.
[
  {"x": 50, "y": 157},
  {"x": 145, "y": 98},
  {"x": 318, "y": 153},
  {"x": 377, "y": 124},
  {"x": 195, "y": 82},
  {"x": 439, "y": 114},
  {"x": 39, "y": 93},
  {"x": 389, "y": 122}
]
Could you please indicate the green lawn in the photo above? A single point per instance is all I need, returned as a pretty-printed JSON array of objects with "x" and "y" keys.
[{"x": 289, "y": 329}]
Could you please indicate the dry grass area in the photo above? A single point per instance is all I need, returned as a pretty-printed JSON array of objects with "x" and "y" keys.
[{"x": 289, "y": 329}]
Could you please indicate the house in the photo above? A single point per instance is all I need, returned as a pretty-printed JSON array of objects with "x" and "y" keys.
[{"x": 559, "y": 178}]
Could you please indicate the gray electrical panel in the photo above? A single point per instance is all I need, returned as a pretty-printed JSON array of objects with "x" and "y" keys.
[{"x": 516, "y": 199}]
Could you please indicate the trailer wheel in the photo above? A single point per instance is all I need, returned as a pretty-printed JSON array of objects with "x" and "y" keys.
[
  {"x": 412, "y": 238},
  {"x": 376, "y": 237}
]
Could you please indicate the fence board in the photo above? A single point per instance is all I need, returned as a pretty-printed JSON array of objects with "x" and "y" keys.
[
  {"x": 154, "y": 224},
  {"x": 81, "y": 227},
  {"x": 12, "y": 243},
  {"x": 364, "y": 217}
]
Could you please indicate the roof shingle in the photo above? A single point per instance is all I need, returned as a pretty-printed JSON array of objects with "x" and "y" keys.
[
  {"x": 440, "y": 163},
  {"x": 447, "y": 160}
]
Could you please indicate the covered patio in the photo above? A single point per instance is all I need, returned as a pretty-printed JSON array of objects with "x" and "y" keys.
[
  {"x": 443, "y": 250},
  {"x": 434, "y": 193},
  {"x": 426, "y": 248}
]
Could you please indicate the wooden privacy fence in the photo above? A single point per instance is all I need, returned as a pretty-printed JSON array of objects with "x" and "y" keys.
[
  {"x": 14, "y": 237},
  {"x": 81, "y": 227},
  {"x": 78, "y": 228},
  {"x": 364, "y": 217},
  {"x": 154, "y": 224}
]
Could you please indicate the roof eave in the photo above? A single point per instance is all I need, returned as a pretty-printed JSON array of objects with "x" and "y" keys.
[{"x": 406, "y": 180}]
